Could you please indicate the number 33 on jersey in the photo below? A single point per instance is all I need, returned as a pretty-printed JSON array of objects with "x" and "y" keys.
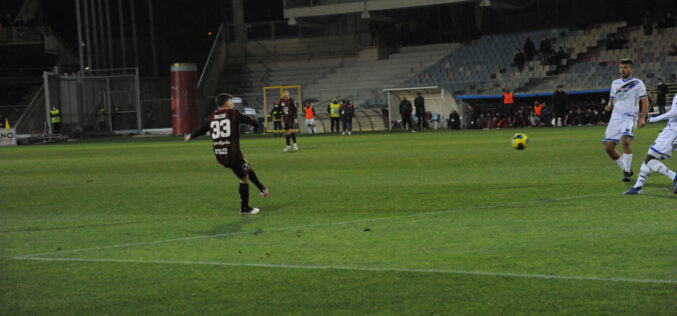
[{"x": 220, "y": 129}]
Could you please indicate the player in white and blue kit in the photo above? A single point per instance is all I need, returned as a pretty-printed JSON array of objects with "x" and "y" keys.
[
  {"x": 626, "y": 94},
  {"x": 662, "y": 148}
]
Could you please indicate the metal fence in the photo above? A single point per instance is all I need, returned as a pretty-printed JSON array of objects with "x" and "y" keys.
[{"x": 96, "y": 101}]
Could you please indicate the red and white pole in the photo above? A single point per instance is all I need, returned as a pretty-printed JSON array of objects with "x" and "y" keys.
[{"x": 184, "y": 98}]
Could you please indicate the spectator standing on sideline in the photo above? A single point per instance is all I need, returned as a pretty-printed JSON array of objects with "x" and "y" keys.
[
  {"x": 546, "y": 115},
  {"x": 405, "y": 112},
  {"x": 470, "y": 117},
  {"x": 538, "y": 109},
  {"x": 661, "y": 91},
  {"x": 309, "y": 113},
  {"x": 508, "y": 106},
  {"x": 347, "y": 112},
  {"x": 276, "y": 114},
  {"x": 419, "y": 103},
  {"x": 101, "y": 117},
  {"x": 529, "y": 49},
  {"x": 561, "y": 101},
  {"x": 454, "y": 120},
  {"x": 521, "y": 119},
  {"x": 334, "y": 110},
  {"x": 55, "y": 116}
]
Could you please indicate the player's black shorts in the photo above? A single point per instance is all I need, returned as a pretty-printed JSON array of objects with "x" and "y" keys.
[
  {"x": 288, "y": 125},
  {"x": 239, "y": 166}
]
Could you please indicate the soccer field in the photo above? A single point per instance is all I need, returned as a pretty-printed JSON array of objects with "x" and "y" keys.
[{"x": 387, "y": 223}]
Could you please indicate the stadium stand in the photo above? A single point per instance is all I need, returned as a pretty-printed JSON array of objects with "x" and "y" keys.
[
  {"x": 485, "y": 66},
  {"x": 371, "y": 76},
  {"x": 481, "y": 67}
]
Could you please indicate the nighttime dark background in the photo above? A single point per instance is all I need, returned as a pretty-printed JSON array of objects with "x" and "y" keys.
[{"x": 181, "y": 27}]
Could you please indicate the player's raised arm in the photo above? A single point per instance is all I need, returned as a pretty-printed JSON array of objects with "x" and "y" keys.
[
  {"x": 244, "y": 119},
  {"x": 199, "y": 131}
]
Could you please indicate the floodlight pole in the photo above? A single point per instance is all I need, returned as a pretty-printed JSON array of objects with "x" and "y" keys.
[
  {"x": 102, "y": 48},
  {"x": 95, "y": 37},
  {"x": 152, "y": 38},
  {"x": 122, "y": 34},
  {"x": 111, "y": 64},
  {"x": 80, "y": 43},
  {"x": 134, "y": 38},
  {"x": 88, "y": 34}
]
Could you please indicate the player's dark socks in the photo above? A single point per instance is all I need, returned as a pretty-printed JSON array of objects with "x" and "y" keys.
[
  {"x": 244, "y": 196},
  {"x": 287, "y": 139},
  {"x": 255, "y": 180},
  {"x": 293, "y": 137}
]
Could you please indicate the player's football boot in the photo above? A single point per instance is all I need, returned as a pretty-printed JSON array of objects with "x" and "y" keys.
[
  {"x": 296, "y": 147},
  {"x": 286, "y": 149},
  {"x": 633, "y": 191},
  {"x": 675, "y": 182},
  {"x": 251, "y": 210},
  {"x": 265, "y": 193},
  {"x": 627, "y": 176}
]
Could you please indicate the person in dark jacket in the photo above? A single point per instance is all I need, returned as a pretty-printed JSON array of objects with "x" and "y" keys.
[
  {"x": 454, "y": 120},
  {"x": 419, "y": 103},
  {"x": 470, "y": 118},
  {"x": 545, "y": 46},
  {"x": 405, "y": 111},
  {"x": 561, "y": 102},
  {"x": 546, "y": 115},
  {"x": 529, "y": 49},
  {"x": 518, "y": 60},
  {"x": 276, "y": 114},
  {"x": 521, "y": 118},
  {"x": 661, "y": 91},
  {"x": 347, "y": 112}
]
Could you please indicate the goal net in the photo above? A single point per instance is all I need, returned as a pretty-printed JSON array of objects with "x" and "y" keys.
[
  {"x": 275, "y": 93},
  {"x": 438, "y": 101}
]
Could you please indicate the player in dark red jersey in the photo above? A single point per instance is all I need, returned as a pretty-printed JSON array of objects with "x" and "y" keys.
[
  {"x": 223, "y": 126},
  {"x": 289, "y": 119}
]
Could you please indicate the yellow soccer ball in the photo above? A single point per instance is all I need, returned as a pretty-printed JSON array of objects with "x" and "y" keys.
[{"x": 520, "y": 141}]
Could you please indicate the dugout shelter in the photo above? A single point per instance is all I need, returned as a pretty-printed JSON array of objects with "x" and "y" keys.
[{"x": 437, "y": 101}]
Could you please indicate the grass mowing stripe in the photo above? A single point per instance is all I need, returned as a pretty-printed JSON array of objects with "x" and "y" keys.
[
  {"x": 316, "y": 267},
  {"x": 141, "y": 243}
]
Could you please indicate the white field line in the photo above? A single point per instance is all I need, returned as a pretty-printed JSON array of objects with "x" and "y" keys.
[
  {"x": 349, "y": 268},
  {"x": 153, "y": 242}
]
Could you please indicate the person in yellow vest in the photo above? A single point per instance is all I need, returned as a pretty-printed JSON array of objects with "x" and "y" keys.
[
  {"x": 101, "y": 117},
  {"x": 309, "y": 112},
  {"x": 276, "y": 114},
  {"x": 55, "y": 115},
  {"x": 334, "y": 110}
]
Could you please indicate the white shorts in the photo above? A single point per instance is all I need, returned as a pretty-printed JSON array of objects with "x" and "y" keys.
[
  {"x": 619, "y": 126},
  {"x": 310, "y": 121},
  {"x": 664, "y": 145}
]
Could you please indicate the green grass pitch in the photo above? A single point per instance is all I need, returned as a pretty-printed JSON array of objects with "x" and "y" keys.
[{"x": 387, "y": 223}]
